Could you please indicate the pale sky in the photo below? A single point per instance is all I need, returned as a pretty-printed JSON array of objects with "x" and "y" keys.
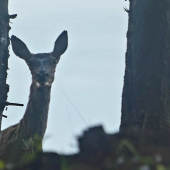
[{"x": 89, "y": 77}]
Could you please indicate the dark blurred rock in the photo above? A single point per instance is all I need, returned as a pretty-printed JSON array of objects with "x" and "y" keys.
[{"x": 131, "y": 149}]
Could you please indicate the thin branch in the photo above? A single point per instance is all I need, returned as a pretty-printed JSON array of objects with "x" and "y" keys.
[
  {"x": 12, "y": 16},
  {"x": 127, "y": 10},
  {"x": 13, "y": 104}
]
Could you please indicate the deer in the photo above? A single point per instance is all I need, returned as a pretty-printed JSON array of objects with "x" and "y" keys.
[{"x": 14, "y": 140}]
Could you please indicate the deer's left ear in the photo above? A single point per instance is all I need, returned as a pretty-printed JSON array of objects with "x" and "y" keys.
[
  {"x": 60, "y": 45},
  {"x": 20, "y": 49}
]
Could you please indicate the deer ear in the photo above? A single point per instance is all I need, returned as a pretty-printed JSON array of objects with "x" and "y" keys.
[
  {"x": 60, "y": 45},
  {"x": 20, "y": 49}
]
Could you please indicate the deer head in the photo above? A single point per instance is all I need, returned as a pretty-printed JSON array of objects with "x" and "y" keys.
[{"x": 42, "y": 65}]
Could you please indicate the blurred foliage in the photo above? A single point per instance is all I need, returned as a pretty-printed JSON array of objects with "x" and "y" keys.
[
  {"x": 145, "y": 162},
  {"x": 64, "y": 163},
  {"x": 2, "y": 165},
  {"x": 102, "y": 151},
  {"x": 33, "y": 146}
]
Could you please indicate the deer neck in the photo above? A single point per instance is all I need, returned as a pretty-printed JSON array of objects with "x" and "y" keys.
[{"x": 35, "y": 118}]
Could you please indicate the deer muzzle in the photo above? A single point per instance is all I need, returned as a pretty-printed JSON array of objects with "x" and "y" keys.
[{"x": 42, "y": 76}]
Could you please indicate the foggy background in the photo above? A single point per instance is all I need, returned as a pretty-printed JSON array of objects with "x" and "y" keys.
[{"x": 89, "y": 77}]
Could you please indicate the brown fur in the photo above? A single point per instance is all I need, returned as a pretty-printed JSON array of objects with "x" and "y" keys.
[{"x": 17, "y": 141}]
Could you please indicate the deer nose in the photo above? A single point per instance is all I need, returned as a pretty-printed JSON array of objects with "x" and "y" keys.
[{"x": 42, "y": 74}]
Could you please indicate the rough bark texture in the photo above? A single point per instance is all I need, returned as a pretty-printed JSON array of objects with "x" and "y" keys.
[
  {"x": 4, "y": 54},
  {"x": 146, "y": 92}
]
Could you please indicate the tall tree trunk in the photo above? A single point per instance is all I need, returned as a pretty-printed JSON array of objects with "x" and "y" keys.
[
  {"x": 4, "y": 54},
  {"x": 146, "y": 92}
]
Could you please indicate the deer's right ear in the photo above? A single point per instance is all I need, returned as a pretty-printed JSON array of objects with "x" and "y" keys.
[{"x": 20, "y": 49}]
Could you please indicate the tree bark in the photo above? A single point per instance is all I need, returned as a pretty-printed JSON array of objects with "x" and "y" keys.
[
  {"x": 4, "y": 54},
  {"x": 146, "y": 92}
]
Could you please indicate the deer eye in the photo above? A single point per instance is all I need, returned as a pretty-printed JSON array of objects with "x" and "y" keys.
[{"x": 55, "y": 61}]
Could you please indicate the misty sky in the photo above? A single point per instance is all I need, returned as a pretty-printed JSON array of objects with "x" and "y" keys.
[{"x": 89, "y": 77}]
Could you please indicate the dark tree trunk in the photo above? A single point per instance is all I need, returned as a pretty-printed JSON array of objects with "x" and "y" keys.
[
  {"x": 146, "y": 92},
  {"x": 4, "y": 54}
]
